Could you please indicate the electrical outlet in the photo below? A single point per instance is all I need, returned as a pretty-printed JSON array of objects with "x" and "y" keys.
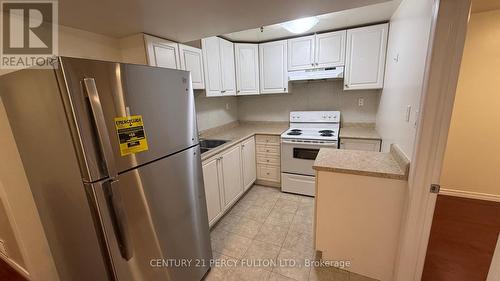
[
  {"x": 3, "y": 249},
  {"x": 228, "y": 106},
  {"x": 361, "y": 102}
]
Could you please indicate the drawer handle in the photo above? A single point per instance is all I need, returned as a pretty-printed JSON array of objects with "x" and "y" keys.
[
  {"x": 267, "y": 174},
  {"x": 267, "y": 160}
]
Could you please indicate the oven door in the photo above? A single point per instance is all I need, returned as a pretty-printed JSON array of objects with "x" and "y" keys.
[{"x": 298, "y": 158}]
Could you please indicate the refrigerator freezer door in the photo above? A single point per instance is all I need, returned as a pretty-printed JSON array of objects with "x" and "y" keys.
[
  {"x": 154, "y": 218},
  {"x": 162, "y": 97}
]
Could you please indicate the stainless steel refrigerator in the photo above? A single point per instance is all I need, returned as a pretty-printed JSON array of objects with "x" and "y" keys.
[{"x": 112, "y": 158}]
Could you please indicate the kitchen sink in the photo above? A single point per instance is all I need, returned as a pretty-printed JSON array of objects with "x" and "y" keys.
[{"x": 207, "y": 144}]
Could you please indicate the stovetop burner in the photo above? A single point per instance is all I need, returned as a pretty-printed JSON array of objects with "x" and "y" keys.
[
  {"x": 295, "y": 130},
  {"x": 329, "y": 132},
  {"x": 326, "y": 134},
  {"x": 294, "y": 133}
]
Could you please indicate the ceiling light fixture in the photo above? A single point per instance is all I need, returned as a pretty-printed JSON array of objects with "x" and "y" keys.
[{"x": 301, "y": 25}]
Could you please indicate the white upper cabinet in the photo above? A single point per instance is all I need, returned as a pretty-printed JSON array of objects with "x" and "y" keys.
[
  {"x": 162, "y": 53},
  {"x": 247, "y": 69},
  {"x": 192, "y": 60},
  {"x": 317, "y": 51},
  {"x": 273, "y": 67},
  {"x": 228, "y": 70},
  {"x": 330, "y": 49},
  {"x": 218, "y": 63},
  {"x": 301, "y": 53},
  {"x": 365, "y": 57},
  {"x": 211, "y": 64}
]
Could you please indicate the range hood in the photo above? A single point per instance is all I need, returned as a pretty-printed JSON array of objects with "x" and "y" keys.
[{"x": 315, "y": 74}]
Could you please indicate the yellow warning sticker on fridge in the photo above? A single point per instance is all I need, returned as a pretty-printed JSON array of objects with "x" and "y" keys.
[{"x": 131, "y": 134}]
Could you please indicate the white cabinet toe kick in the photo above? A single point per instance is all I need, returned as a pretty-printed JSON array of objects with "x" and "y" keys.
[{"x": 300, "y": 184}]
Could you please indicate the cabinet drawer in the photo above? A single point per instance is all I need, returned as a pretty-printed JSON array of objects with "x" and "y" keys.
[
  {"x": 267, "y": 139},
  {"x": 273, "y": 160},
  {"x": 268, "y": 173},
  {"x": 268, "y": 149}
]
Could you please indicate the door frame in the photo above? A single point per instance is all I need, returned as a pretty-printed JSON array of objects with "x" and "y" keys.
[{"x": 447, "y": 40}]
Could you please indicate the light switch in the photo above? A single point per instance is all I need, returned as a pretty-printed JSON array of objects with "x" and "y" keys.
[{"x": 408, "y": 113}]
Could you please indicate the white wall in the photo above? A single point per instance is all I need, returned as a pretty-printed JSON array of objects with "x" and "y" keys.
[
  {"x": 408, "y": 39},
  {"x": 318, "y": 95},
  {"x": 215, "y": 111}
]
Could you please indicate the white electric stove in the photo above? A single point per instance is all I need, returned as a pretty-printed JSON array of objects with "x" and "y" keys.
[{"x": 309, "y": 131}]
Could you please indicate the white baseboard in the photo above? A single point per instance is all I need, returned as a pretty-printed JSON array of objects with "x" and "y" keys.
[
  {"x": 470, "y": 194},
  {"x": 16, "y": 267}
]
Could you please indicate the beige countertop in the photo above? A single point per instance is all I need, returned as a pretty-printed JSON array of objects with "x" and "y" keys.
[
  {"x": 392, "y": 165},
  {"x": 359, "y": 133},
  {"x": 238, "y": 131}
]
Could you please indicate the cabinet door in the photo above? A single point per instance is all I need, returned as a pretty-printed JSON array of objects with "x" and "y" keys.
[
  {"x": 360, "y": 144},
  {"x": 211, "y": 66},
  {"x": 231, "y": 174},
  {"x": 301, "y": 53},
  {"x": 365, "y": 57},
  {"x": 212, "y": 189},
  {"x": 192, "y": 61},
  {"x": 228, "y": 71},
  {"x": 162, "y": 53},
  {"x": 330, "y": 49},
  {"x": 247, "y": 69},
  {"x": 273, "y": 67},
  {"x": 248, "y": 162}
]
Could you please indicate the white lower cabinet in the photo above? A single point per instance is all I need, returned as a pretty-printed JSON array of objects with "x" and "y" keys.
[
  {"x": 360, "y": 144},
  {"x": 226, "y": 176},
  {"x": 248, "y": 162},
  {"x": 211, "y": 179},
  {"x": 231, "y": 174}
]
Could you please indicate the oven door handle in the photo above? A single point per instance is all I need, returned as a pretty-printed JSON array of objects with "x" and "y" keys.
[{"x": 309, "y": 143}]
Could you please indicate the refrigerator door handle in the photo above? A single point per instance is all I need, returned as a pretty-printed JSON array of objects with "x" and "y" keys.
[
  {"x": 118, "y": 219},
  {"x": 102, "y": 131}
]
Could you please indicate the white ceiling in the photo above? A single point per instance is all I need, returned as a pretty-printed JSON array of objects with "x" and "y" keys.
[
  {"x": 331, "y": 21},
  {"x": 186, "y": 20}
]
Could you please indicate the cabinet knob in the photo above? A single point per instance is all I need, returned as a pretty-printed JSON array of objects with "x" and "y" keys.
[
  {"x": 284, "y": 89},
  {"x": 267, "y": 160},
  {"x": 347, "y": 86},
  {"x": 312, "y": 64}
]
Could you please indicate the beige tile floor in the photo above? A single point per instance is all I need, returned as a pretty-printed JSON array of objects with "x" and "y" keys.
[{"x": 272, "y": 228}]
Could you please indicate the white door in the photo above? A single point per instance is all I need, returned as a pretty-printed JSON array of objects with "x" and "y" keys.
[
  {"x": 212, "y": 66},
  {"x": 212, "y": 189},
  {"x": 162, "y": 53},
  {"x": 231, "y": 174},
  {"x": 248, "y": 162},
  {"x": 301, "y": 53},
  {"x": 273, "y": 67},
  {"x": 228, "y": 71},
  {"x": 247, "y": 69},
  {"x": 365, "y": 57},
  {"x": 330, "y": 49},
  {"x": 192, "y": 61}
]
